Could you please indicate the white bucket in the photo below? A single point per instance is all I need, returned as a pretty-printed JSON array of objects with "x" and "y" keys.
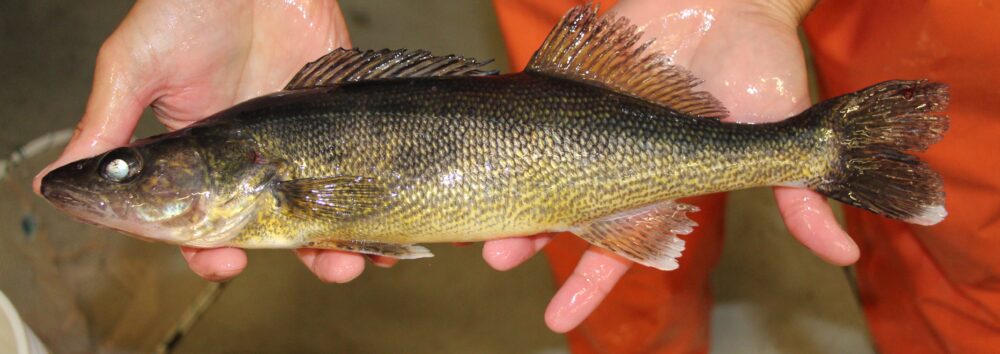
[{"x": 15, "y": 336}]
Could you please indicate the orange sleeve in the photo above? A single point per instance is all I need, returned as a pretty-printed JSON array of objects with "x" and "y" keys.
[{"x": 927, "y": 289}]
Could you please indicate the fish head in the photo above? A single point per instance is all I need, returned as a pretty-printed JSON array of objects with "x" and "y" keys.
[{"x": 155, "y": 190}]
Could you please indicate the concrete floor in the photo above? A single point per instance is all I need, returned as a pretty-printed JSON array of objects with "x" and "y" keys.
[{"x": 85, "y": 289}]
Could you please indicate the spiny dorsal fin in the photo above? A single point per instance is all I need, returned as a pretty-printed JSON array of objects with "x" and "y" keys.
[
  {"x": 346, "y": 65},
  {"x": 602, "y": 50}
]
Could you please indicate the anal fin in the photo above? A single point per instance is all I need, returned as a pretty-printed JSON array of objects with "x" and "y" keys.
[
  {"x": 647, "y": 235},
  {"x": 394, "y": 250}
]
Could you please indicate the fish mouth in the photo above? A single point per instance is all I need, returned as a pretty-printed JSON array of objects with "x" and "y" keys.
[{"x": 73, "y": 200}]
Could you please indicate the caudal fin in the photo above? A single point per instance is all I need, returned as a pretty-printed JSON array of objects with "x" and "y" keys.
[{"x": 875, "y": 128}]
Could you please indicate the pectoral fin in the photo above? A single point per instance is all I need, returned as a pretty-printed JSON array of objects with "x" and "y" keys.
[
  {"x": 342, "y": 198},
  {"x": 647, "y": 235},
  {"x": 400, "y": 251}
]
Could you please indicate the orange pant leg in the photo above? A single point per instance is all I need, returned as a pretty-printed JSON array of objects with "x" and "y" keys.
[
  {"x": 928, "y": 289},
  {"x": 649, "y": 310}
]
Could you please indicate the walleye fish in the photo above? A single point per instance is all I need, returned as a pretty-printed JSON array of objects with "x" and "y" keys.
[{"x": 377, "y": 151}]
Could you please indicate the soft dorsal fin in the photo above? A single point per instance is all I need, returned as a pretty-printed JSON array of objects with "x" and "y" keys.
[
  {"x": 346, "y": 65},
  {"x": 602, "y": 50}
]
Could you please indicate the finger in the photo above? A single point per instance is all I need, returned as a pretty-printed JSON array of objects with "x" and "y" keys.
[
  {"x": 332, "y": 266},
  {"x": 505, "y": 254},
  {"x": 215, "y": 264},
  {"x": 810, "y": 219},
  {"x": 382, "y": 261},
  {"x": 590, "y": 283},
  {"x": 116, "y": 102}
]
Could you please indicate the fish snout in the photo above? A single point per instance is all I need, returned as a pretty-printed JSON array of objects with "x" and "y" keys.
[{"x": 58, "y": 185}]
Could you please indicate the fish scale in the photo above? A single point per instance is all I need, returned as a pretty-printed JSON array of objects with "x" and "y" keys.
[{"x": 614, "y": 153}]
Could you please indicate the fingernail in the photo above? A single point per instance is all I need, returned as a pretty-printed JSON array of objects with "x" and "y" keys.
[
  {"x": 382, "y": 262},
  {"x": 221, "y": 276}
]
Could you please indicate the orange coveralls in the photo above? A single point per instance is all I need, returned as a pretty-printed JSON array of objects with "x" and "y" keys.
[{"x": 923, "y": 289}]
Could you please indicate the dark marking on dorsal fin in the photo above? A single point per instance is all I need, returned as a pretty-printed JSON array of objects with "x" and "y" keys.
[
  {"x": 347, "y": 65},
  {"x": 602, "y": 50}
]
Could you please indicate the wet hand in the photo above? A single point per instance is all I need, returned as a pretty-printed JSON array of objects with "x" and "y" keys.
[
  {"x": 749, "y": 56},
  {"x": 188, "y": 59}
]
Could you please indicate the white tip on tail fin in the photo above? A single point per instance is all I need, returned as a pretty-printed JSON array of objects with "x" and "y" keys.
[
  {"x": 929, "y": 216},
  {"x": 647, "y": 235}
]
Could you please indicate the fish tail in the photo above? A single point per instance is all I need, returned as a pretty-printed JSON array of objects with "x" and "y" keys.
[{"x": 874, "y": 130}]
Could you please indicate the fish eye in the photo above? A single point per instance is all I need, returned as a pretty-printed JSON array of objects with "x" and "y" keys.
[{"x": 120, "y": 165}]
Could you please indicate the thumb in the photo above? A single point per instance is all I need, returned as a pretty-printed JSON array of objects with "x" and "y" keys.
[{"x": 118, "y": 96}]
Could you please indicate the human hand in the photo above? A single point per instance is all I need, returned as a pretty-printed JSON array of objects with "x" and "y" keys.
[
  {"x": 749, "y": 55},
  {"x": 189, "y": 59}
]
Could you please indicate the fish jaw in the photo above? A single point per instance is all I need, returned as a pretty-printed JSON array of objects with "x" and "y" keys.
[
  {"x": 79, "y": 204},
  {"x": 154, "y": 191},
  {"x": 118, "y": 211}
]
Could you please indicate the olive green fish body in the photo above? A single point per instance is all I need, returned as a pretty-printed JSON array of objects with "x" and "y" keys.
[{"x": 470, "y": 158}]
